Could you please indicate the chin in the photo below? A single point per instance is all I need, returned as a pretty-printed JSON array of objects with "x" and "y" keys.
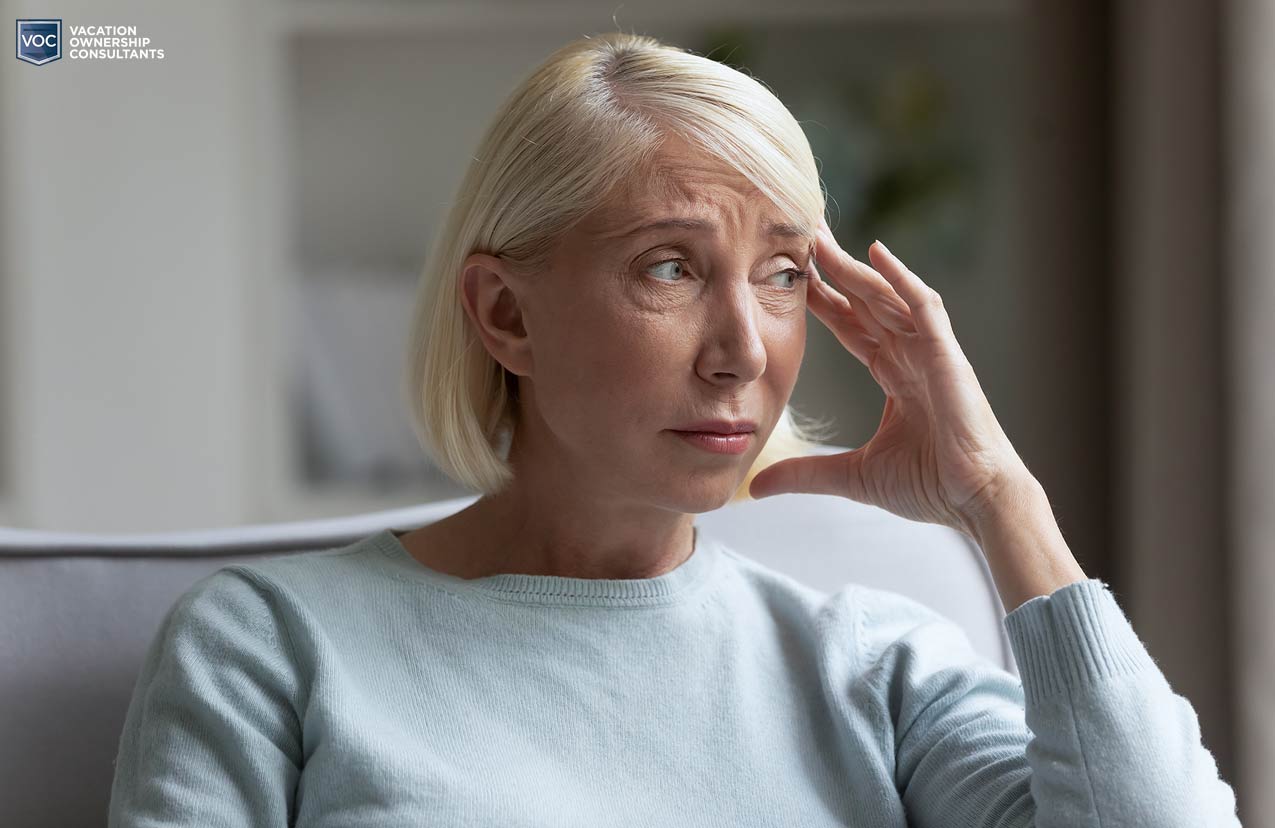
[
  {"x": 683, "y": 483},
  {"x": 700, "y": 495}
]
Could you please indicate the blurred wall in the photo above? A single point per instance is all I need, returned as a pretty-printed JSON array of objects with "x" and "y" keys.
[{"x": 124, "y": 182}]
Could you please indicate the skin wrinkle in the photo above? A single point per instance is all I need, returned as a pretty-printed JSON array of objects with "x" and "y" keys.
[{"x": 607, "y": 365}]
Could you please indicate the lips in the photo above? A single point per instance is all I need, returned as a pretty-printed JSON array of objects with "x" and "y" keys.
[
  {"x": 716, "y": 442},
  {"x": 719, "y": 427}
]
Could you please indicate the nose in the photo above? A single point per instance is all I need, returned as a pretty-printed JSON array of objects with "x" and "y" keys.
[{"x": 735, "y": 351}]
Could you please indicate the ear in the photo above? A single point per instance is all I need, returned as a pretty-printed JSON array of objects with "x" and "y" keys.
[{"x": 488, "y": 293}]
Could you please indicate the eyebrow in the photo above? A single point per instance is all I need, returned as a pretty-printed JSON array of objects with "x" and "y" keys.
[{"x": 772, "y": 228}]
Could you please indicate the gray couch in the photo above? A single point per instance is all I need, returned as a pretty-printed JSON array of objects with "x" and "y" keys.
[{"x": 77, "y": 612}]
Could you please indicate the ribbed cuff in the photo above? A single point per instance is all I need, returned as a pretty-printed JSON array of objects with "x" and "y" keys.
[{"x": 1073, "y": 639}]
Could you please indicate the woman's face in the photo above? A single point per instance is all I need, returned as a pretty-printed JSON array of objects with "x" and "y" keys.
[{"x": 637, "y": 331}]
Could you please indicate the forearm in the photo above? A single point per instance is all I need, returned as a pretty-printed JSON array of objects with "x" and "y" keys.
[
  {"x": 1111, "y": 742},
  {"x": 1023, "y": 545}
]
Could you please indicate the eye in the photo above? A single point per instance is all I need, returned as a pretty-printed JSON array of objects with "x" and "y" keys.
[
  {"x": 679, "y": 267},
  {"x": 795, "y": 274}
]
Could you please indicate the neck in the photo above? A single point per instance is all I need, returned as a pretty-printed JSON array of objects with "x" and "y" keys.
[{"x": 515, "y": 532}]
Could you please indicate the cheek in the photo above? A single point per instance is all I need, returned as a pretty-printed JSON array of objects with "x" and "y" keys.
[
  {"x": 788, "y": 343},
  {"x": 636, "y": 359},
  {"x": 614, "y": 368}
]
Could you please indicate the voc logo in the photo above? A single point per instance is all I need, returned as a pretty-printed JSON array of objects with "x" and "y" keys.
[{"x": 39, "y": 41}]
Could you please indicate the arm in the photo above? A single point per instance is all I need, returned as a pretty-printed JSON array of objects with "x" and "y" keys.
[
  {"x": 1092, "y": 737},
  {"x": 212, "y": 735},
  {"x": 1021, "y": 542},
  {"x": 1110, "y": 743}
]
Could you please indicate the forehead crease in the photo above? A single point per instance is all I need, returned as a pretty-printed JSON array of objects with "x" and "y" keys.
[
  {"x": 681, "y": 188},
  {"x": 688, "y": 182}
]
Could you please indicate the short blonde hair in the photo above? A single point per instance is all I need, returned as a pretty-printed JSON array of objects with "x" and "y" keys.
[{"x": 589, "y": 118}]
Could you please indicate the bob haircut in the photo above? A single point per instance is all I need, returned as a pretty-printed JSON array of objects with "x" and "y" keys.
[{"x": 574, "y": 132}]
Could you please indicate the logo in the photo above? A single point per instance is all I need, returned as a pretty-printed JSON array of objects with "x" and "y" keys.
[{"x": 39, "y": 41}]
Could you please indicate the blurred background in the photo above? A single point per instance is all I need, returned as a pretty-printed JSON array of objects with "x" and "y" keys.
[{"x": 207, "y": 264}]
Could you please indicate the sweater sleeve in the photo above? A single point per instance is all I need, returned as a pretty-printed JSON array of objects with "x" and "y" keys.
[
  {"x": 212, "y": 736},
  {"x": 1093, "y": 736}
]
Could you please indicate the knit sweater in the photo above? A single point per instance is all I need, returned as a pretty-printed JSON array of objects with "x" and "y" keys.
[{"x": 357, "y": 687}]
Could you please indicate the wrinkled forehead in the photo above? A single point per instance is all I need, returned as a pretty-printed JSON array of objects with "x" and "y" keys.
[{"x": 672, "y": 185}]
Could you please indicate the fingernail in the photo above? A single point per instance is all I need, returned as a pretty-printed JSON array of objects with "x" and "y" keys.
[{"x": 883, "y": 247}]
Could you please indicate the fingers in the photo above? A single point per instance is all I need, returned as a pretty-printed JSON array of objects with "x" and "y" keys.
[
  {"x": 856, "y": 312},
  {"x": 835, "y": 311},
  {"x": 862, "y": 281},
  {"x": 924, "y": 301},
  {"x": 906, "y": 283},
  {"x": 858, "y": 309}
]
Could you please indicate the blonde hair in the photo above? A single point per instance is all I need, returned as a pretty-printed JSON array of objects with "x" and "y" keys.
[{"x": 586, "y": 121}]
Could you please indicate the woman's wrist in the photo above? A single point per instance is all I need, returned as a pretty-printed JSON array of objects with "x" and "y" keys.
[{"x": 1023, "y": 544}]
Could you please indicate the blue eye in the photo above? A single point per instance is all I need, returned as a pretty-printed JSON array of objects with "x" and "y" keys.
[
  {"x": 677, "y": 262},
  {"x": 796, "y": 274}
]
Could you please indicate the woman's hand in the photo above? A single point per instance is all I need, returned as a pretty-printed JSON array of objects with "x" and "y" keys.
[{"x": 939, "y": 455}]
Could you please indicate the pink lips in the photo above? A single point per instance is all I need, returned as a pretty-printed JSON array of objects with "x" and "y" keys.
[
  {"x": 736, "y": 443},
  {"x": 719, "y": 426}
]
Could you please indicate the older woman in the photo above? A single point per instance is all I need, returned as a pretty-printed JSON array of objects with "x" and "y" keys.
[{"x": 608, "y": 333}]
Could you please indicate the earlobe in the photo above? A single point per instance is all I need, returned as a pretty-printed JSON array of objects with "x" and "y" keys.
[{"x": 487, "y": 293}]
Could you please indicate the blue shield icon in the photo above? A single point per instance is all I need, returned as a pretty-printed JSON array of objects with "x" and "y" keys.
[{"x": 39, "y": 41}]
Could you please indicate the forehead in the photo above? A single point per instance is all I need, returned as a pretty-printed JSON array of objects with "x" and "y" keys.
[
  {"x": 678, "y": 177},
  {"x": 686, "y": 179}
]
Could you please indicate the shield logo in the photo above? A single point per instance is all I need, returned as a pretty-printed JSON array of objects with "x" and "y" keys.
[{"x": 39, "y": 41}]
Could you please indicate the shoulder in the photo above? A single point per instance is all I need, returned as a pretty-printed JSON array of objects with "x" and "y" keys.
[
  {"x": 770, "y": 584},
  {"x": 283, "y": 576},
  {"x": 261, "y": 596},
  {"x": 226, "y": 629},
  {"x": 900, "y": 641},
  {"x": 883, "y": 614},
  {"x": 874, "y": 639},
  {"x": 232, "y": 604},
  {"x": 847, "y": 621}
]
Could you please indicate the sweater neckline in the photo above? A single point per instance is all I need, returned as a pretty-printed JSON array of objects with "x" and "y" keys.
[{"x": 671, "y": 587}]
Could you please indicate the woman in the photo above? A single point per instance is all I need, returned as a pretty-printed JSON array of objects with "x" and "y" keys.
[{"x": 608, "y": 333}]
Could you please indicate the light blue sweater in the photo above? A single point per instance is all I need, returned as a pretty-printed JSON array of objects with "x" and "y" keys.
[{"x": 356, "y": 687}]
